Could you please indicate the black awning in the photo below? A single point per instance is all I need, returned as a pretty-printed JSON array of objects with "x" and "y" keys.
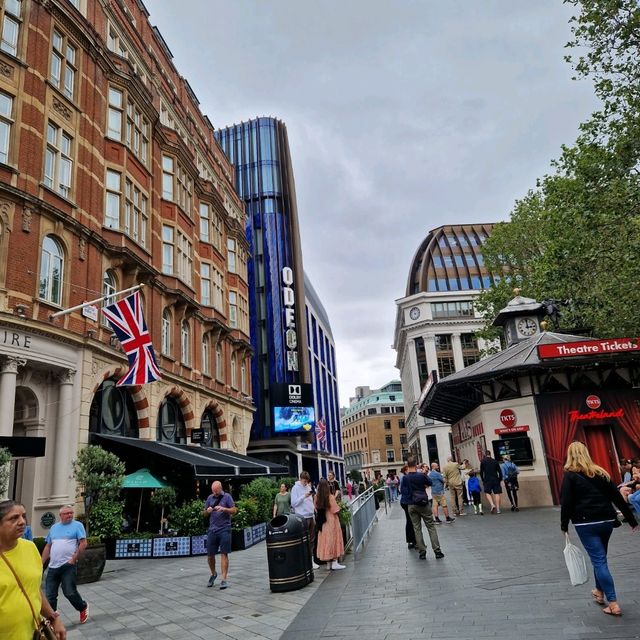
[
  {"x": 24, "y": 446},
  {"x": 204, "y": 461}
]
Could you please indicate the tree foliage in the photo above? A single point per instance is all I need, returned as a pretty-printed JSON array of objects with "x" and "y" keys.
[
  {"x": 576, "y": 236},
  {"x": 5, "y": 469}
]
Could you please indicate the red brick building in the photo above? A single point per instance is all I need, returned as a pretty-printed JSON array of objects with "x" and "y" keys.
[{"x": 110, "y": 177}]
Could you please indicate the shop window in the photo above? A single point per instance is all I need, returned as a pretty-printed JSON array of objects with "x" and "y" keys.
[
  {"x": 211, "y": 432},
  {"x": 113, "y": 411},
  {"x": 171, "y": 427}
]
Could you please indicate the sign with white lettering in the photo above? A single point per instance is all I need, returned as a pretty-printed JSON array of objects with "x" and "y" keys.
[
  {"x": 289, "y": 302},
  {"x": 588, "y": 348},
  {"x": 519, "y": 429},
  {"x": 91, "y": 312}
]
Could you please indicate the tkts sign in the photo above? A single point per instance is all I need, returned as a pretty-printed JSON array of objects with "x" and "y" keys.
[
  {"x": 588, "y": 348},
  {"x": 594, "y": 403}
]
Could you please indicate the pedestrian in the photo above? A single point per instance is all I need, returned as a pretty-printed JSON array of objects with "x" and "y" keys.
[
  {"x": 465, "y": 467},
  {"x": 334, "y": 486},
  {"x": 585, "y": 498},
  {"x": 419, "y": 491},
  {"x": 302, "y": 504},
  {"x": 474, "y": 491},
  {"x": 282, "y": 501},
  {"x": 453, "y": 479},
  {"x": 510, "y": 473},
  {"x": 330, "y": 542},
  {"x": 21, "y": 569},
  {"x": 219, "y": 507},
  {"x": 392, "y": 485},
  {"x": 437, "y": 494},
  {"x": 405, "y": 500},
  {"x": 491, "y": 475},
  {"x": 65, "y": 543}
]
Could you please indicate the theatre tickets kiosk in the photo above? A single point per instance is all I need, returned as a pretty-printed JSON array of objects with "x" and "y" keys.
[{"x": 542, "y": 392}]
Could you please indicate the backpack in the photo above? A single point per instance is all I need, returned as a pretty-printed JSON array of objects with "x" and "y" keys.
[
  {"x": 420, "y": 498},
  {"x": 512, "y": 472}
]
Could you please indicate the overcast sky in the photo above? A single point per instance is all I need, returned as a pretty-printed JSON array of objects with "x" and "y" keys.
[{"x": 403, "y": 115}]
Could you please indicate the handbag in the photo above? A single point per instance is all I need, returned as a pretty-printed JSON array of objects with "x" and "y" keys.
[
  {"x": 43, "y": 630},
  {"x": 576, "y": 563}
]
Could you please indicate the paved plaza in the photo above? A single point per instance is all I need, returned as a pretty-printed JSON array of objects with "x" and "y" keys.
[{"x": 503, "y": 577}]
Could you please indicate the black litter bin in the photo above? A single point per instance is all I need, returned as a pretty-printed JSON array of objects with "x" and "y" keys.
[{"x": 288, "y": 553}]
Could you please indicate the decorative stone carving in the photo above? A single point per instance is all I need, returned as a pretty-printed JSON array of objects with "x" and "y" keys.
[
  {"x": 82, "y": 249},
  {"x": 62, "y": 109},
  {"x": 10, "y": 364},
  {"x": 6, "y": 70},
  {"x": 66, "y": 376},
  {"x": 27, "y": 216}
]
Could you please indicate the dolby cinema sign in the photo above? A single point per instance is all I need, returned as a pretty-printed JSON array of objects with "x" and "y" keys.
[{"x": 290, "y": 333}]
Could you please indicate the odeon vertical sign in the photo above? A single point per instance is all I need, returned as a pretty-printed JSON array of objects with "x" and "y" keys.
[{"x": 290, "y": 334}]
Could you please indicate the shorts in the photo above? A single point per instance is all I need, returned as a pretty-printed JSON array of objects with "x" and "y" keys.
[
  {"x": 218, "y": 542},
  {"x": 493, "y": 487},
  {"x": 440, "y": 500}
]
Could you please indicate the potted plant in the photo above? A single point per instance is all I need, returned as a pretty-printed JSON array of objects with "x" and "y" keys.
[
  {"x": 242, "y": 524},
  {"x": 187, "y": 520},
  {"x": 99, "y": 475}
]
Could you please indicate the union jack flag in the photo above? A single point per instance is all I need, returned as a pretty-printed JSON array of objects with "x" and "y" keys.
[
  {"x": 321, "y": 433},
  {"x": 125, "y": 316}
]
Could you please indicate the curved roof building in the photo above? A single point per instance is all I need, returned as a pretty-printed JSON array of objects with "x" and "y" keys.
[{"x": 450, "y": 259}]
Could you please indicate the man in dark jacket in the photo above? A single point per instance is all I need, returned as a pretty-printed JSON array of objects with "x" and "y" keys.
[
  {"x": 417, "y": 493},
  {"x": 491, "y": 475}
]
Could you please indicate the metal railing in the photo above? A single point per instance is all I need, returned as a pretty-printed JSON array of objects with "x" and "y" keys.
[{"x": 363, "y": 516}]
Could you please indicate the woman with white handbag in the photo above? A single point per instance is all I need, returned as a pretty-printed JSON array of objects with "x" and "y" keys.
[{"x": 585, "y": 499}]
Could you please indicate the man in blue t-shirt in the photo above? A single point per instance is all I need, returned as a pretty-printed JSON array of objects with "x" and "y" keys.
[
  {"x": 66, "y": 541},
  {"x": 219, "y": 507}
]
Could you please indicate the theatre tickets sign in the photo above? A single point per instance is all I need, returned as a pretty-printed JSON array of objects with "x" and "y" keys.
[{"x": 586, "y": 348}]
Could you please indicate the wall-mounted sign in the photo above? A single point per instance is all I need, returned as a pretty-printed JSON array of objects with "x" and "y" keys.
[
  {"x": 47, "y": 520},
  {"x": 596, "y": 415},
  {"x": 519, "y": 449},
  {"x": 15, "y": 339},
  {"x": 289, "y": 302},
  {"x": 588, "y": 348},
  {"x": 293, "y": 408},
  {"x": 91, "y": 312},
  {"x": 197, "y": 436},
  {"x": 593, "y": 402},
  {"x": 519, "y": 429},
  {"x": 508, "y": 417}
]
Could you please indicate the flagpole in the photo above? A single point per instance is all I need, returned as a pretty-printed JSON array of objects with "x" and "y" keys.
[{"x": 86, "y": 304}]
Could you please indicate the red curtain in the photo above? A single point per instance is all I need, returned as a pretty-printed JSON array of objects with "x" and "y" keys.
[
  {"x": 557, "y": 433},
  {"x": 600, "y": 444}
]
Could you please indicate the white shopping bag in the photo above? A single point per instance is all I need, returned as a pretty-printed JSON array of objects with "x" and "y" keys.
[{"x": 576, "y": 563}]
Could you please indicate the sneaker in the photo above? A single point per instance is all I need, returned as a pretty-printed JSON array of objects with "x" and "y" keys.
[
  {"x": 212, "y": 579},
  {"x": 517, "y": 509},
  {"x": 513, "y": 508},
  {"x": 450, "y": 520},
  {"x": 84, "y": 614},
  {"x": 493, "y": 509},
  {"x": 439, "y": 555},
  {"x": 437, "y": 520},
  {"x": 482, "y": 513},
  {"x": 315, "y": 566},
  {"x": 498, "y": 511},
  {"x": 422, "y": 555},
  {"x": 461, "y": 514},
  {"x": 223, "y": 584},
  {"x": 336, "y": 566},
  {"x": 411, "y": 545}
]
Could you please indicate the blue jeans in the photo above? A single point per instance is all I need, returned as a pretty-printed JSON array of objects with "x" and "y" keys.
[
  {"x": 65, "y": 575},
  {"x": 634, "y": 501},
  {"x": 595, "y": 540}
]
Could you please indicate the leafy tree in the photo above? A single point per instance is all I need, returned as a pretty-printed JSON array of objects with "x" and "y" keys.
[
  {"x": 188, "y": 520},
  {"x": 262, "y": 491},
  {"x": 5, "y": 470},
  {"x": 99, "y": 475},
  {"x": 106, "y": 519}
]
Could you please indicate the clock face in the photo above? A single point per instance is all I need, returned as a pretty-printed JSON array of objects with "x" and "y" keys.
[
  {"x": 527, "y": 327},
  {"x": 414, "y": 314}
]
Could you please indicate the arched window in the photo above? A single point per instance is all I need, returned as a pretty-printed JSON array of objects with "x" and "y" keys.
[
  {"x": 113, "y": 411},
  {"x": 51, "y": 271},
  {"x": 166, "y": 332},
  {"x": 170, "y": 422},
  {"x": 211, "y": 432},
  {"x": 185, "y": 341},
  {"x": 219, "y": 363},
  {"x": 109, "y": 287},
  {"x": 243, "y": 377},
  {"x": 234, "y": 372},
  {"x": 206, "y": 356}
]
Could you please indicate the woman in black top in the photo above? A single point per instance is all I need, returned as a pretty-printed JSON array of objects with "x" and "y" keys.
[{"x": 585, "y": 499}]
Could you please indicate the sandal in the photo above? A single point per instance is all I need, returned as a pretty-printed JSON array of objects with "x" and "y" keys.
[
  {"x": 612, "y": 610},
  {"x": 598, "y": 596}
]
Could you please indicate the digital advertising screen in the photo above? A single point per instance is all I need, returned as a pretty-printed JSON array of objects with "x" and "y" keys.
[{"x": 293, "y": 419}]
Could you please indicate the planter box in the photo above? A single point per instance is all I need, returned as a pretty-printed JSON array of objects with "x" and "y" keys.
[
  {"x": 171, "y": 547},
  {"x": 198, "y": 545},
  {"x": 242, "y": 539},
  {"x": 259, "y": 532},
  {"x": 91, "y": 564},
  {"x": 133, "y": 548}
]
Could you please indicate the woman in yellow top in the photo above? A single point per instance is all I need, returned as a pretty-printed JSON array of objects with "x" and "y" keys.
[{"x": 16, "y": 619}]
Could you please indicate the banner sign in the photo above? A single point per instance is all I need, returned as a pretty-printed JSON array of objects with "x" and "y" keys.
[
  {"x": 588, "y": 348},
  {"x": 520, "y": 429}
]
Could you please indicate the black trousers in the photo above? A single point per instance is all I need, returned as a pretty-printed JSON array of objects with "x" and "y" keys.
[{"x": 409, "y": 532}]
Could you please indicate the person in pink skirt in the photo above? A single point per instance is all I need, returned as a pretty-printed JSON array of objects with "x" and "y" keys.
[{"x": 329, "y": 533}]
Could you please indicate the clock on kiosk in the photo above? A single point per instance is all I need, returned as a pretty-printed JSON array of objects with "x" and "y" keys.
[
  {"x": 527, "y": 326},
  {"x": 520, "y": 318}
]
